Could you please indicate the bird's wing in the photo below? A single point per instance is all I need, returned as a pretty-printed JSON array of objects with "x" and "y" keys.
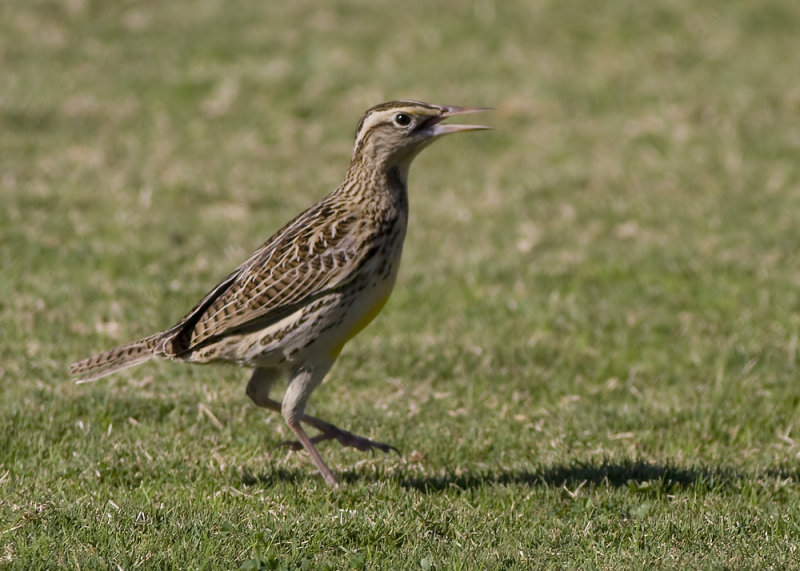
[{"x": 314, "y": 254}]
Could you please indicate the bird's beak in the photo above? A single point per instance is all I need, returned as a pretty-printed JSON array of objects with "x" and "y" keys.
[{"x": 437, "y": 129}]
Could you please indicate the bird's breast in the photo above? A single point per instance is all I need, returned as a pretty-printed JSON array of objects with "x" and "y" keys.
[{"x": 366, "y": 296}]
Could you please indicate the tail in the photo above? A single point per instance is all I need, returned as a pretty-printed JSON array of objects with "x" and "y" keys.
[{"x": 115, "y": 359}]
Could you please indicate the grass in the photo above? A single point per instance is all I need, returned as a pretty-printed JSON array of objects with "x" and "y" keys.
[{"x": 590, "y": 359}]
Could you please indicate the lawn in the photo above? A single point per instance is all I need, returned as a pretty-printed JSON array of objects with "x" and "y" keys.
[{"x": 591, "y": 356}]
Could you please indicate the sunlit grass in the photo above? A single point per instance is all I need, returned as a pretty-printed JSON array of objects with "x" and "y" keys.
[{"x": 590, "y": 359}]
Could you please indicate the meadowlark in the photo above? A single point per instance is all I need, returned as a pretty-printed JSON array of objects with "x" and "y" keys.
[{"x": 293, "y": 304}]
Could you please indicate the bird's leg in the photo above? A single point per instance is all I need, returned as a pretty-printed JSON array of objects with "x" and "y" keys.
[
  {"x": 259, "y": 386},
  {"x": 303, "y": 380},
  {"x": 258, "y": 390}
]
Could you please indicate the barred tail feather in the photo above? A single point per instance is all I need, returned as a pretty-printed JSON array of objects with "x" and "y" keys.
[{"x": 111, "y": 361}]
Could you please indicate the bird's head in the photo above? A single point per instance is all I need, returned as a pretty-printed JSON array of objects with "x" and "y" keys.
[{"x": 391, "y": 134}]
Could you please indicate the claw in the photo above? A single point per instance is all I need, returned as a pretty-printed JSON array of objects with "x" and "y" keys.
[{"x": 345, "y": 438}]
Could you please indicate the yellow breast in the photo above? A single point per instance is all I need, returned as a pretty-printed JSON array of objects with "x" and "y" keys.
[{"x": 368, "y": 313}]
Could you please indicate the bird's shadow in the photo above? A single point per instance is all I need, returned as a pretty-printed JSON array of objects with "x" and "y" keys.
[
  {"x": 636, "y": 474},
  {"x": 615, "y": 474}
]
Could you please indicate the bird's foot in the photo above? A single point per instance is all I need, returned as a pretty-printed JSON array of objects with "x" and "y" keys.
[{"x": 345, "y": 438}]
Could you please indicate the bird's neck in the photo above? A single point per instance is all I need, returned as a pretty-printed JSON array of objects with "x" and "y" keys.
[{"x": 385, "y": 183}]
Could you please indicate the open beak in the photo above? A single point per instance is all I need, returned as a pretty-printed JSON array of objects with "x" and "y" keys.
[{"x": 437, "y": 129}]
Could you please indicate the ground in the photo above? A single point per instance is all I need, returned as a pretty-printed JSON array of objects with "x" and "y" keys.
[{"x": 590, "y": 359}]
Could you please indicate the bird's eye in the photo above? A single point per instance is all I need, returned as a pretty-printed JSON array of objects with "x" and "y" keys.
[{"x": 402, "y": 119}]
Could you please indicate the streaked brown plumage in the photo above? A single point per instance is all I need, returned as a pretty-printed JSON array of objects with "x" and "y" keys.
[{"x": 291, "y": 306}]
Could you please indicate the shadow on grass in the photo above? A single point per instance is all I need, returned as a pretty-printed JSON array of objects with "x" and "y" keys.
[
  {"x": 276, "y": 475},
  {"x": 634, "y": 474},
  {"x": 627, "y": 473}
]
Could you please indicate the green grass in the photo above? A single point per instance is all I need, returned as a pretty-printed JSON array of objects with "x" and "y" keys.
[{"x": 591, "y": 356}]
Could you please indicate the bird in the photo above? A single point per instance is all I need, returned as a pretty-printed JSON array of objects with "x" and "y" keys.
[{"x": 288, "y": 310}]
